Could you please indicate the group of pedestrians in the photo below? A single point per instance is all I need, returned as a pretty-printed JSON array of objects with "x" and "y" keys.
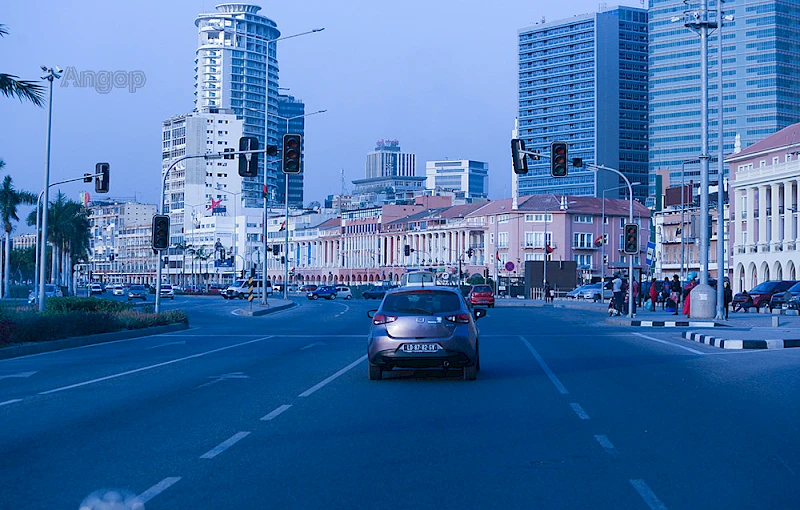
[
  {"x": 621, "y": 295},
  {"x": 676, "y": 297}
]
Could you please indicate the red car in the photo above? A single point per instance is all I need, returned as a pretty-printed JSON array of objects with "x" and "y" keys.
[{"x": 481, "y": 295}]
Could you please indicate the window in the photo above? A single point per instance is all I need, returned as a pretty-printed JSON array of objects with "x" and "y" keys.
[
  {"x": 529, "y": 218},
  {"x": 491, "y": 237},
  {"x": 502, "y": 240},
  {"x": 584, "y": 261},
  {"x": 503, "y": 218},
  {"x": 583, "y": 219},
  {"x": 582, "y": 240},
  {"x": 529, "y": 242},
  {"x": 539, "y": 239}
]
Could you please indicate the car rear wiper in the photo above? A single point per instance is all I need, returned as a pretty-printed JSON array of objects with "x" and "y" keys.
[{"x": 420, "y": 310}]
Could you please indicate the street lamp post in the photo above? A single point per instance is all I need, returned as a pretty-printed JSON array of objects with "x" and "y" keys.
[
  {"x": 603, "y": 228},
  {"x": 286, "y": 204},
  {"x": 50, "y": 74}
]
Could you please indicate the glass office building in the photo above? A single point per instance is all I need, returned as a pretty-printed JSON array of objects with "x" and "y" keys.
[
  {"x": 761, "y": 80},
  {"x": 583, "y": 80},
  {"x": 292, "y": 109}
]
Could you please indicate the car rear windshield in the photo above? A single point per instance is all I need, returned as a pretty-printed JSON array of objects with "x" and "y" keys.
[
  {"x": 422, "y": 301},
  {"x": 481, "y": 288},
  {"x": 765, "y": 287}
]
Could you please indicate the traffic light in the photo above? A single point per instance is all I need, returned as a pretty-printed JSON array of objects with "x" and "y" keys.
[
  {"x": 631, "y": 246},
  {"x": 470, "y": 252},
  {"x": 101, "y": 181},
  {"x": 272, "y": 150},
  {"x": 160, "y": 232},
  {"x": 485, "y": 273},
  {"x": 248, "y": 163},
  {"x": 229, "y": 156},
  {"x": 518, "y": 158},
  {"x": 291, "y": 153},
  {"x": 87, "y": 177},
  {"x": 283, "y": 259},
  {"x": 407, "y": 250},
  {"x": 558, "y": 159}
]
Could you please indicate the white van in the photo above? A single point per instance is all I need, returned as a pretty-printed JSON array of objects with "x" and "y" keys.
[{"x": 241, "y": 289}]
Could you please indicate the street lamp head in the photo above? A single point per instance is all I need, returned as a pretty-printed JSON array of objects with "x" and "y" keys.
[{"x": 318, "y": 29}]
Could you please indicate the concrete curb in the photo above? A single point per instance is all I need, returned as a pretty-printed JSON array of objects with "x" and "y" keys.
[
  {"x": 725, "y": 343},
  {"x": 26, "y": 349},
  {"x": 267, "y": 311},
  {"x": 664, "y": 324}
]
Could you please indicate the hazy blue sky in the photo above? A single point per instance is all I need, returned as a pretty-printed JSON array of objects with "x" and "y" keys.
[{"x": 438, "y": 75}]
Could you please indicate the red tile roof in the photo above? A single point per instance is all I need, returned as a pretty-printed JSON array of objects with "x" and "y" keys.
[{"x": 787, "y": 136}]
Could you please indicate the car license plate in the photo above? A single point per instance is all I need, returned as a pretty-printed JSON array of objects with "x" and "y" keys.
[{"x": 420, "y": 347}]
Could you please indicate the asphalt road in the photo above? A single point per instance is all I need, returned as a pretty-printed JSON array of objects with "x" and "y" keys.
[{"x": 277, "y": 412}]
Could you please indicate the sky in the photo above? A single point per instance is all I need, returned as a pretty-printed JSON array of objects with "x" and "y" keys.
[{"x": 437, "y": 75}]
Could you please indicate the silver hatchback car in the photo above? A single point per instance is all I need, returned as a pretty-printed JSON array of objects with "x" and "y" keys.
[{"x": 424, "y": 327}]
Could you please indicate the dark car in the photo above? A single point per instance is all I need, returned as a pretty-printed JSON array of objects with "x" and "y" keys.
[
  {"x": 481, "y": 295},
  {"x": 424, "y": 327},
  {"x": 760, "y": 296},
  {"x": 781, "y": 300},
  {"x": 137, "y": 292},
  {"x": 307, "y": 288},
  {"x": 376, "y": 292},
  {"x": 325, "y": 291}
]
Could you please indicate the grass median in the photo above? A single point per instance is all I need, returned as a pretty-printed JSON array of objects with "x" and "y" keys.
[{"x": 70, "y": 316}]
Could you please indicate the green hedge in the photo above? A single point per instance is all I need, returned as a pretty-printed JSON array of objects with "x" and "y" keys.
[{"x": 20, "y": 325}]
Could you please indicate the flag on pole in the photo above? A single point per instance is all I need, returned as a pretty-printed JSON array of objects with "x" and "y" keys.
[
  {"x": 283, "y": 226},
  {"x": 497, "y": 255},
  {"x": 599, "y": 241},
  {"x": 548, "y": 249}
]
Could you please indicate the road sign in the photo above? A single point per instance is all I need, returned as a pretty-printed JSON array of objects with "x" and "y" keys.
[
  {"x": 651, "y": 251},
  {"x": 509, "y": 266}
]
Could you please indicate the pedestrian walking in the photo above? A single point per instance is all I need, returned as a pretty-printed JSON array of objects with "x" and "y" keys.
[
  {"x": 687, "y": 291},
  {"x": 728, "y": 297},
  {"x": 653, "y": 294},
  {"x": 546, "y": 292},
  {"x": 635, "y": 294},
  {"x": 616, "y": 290}
]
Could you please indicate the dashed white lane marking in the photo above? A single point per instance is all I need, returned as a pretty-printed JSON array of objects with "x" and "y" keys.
[
  {"x": 331, "y": 378},
  {"x": 648, "y": 495},
  {"x": 10, "y": 401},
  {"x": 579, "y": 411},
  {"x": 606, "y": 444},
  {"x": 309, "y": 346},
  {"x": 210, "y": 454},
  {"x": 150, "y": 367},
  {"x": 276, "y": 412},
  {"x": 346, "y": 309},
  {"x": 561, "y": 388},
  {"x": 158, "y": 488},
  {"x": 695, "y": 351},
  {"x": 181, "y": 342}
]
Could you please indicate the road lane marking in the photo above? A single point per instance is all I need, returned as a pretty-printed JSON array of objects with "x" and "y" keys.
[
  {"x": 648, "y": 495},
  {"x": 334, "y": 376},
  {"x": 606, "y": 444},
  {"x": 561, "y": 388},
  {"x": 276, "y": 412},
  {"x": 158, "y": 488},
  {"x": 150, "y": 367},
  {"x": 695, "y": 351},
  {"x": 210, "y": 454},
  {"x": 309, "y": 346},
  {"x": 181, "y": 342},
  {"x": 10, "y": 401},
  {"x": 20, "y": 375},
  {"x": 346, "y": 309},
  {"x": 224, "y": 377},
  {"x": 579, "y": 411}
]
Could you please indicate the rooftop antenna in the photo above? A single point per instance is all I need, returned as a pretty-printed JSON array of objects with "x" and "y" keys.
[{"x": 344, "y": 189}]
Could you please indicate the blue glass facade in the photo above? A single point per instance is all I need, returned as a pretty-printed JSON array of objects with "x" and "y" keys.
[
  {"x": 761, "y": 80},
  {"x": 584, "y": 81},
  {"x": 289, "y": 107}
]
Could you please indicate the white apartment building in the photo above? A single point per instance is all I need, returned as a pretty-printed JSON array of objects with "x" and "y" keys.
[
  {"x": 23, "y": 241},
  {"x": 466, "y": 177},
  {"x": 765, "y": 194},
  {"x": 112, "y": 225}
]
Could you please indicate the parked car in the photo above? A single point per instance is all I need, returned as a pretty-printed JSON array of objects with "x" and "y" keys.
[
  {"x": 794, "y": 303},
  {"x": 308, "y": 288},
  {"x": 137, "y": 292},
  {"x": 760, "y": 296},
  {"x": 780, "y": 300},
  {"x": 595, "y": 292},
  {"x": 193, "y": 289},
  {"x": 424, "y": 327},
  {"x": 118, "y": 290},
  {"x": 215, "y": 288},
  {"x": 324, "y": 291},
  {"x": 167, "y": 292},
  {"x": 95, "y": 288},
  {"x": 344, "y": 292},
  {"x": 573, "y": 294},
  {"x": 481, "y": 295},
  {"x": 49, "y": 291},
  {"x": 376, "y": 291},
  {"x": 241, "y": 289}
]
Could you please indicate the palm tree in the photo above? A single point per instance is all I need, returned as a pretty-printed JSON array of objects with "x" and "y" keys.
[
  {"x": 202, "y": 255},
  {"x": 12, "y": 86},
  {"x": 10, "y": 199}
]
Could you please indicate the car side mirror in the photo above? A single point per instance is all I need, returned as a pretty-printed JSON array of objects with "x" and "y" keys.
[
  {"x": 371, "y": 313},
  {"x": 477, "y": 313}
]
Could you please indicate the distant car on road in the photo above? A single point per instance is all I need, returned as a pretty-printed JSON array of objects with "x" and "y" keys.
[
  {"x": 167, "y": 292},
  {"x": 137, "y": 292},
  {"x": 424, "y": 327},
  {"x": 308, "y": 288},
  {"x": 376, "y": 291},
  {"x": 594, "y": 291},
  {"x": 49, "y": 291},
  {"x": 481, "y": 295},
  {"x": 325, "y": 291},
  {"x": 344, "y": 292},
  {"x": 118, "y": 290},
  {"x": 95, "y": 288},
  {"x": 215, "y": 288}
]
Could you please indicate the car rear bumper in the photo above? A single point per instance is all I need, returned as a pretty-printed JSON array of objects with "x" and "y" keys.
[
  {"x": 482, "y": 301},
  {"x": 437, "y": 359}
]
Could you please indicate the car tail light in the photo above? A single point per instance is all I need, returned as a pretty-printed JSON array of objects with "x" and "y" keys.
[
  {"x": 383, "y": 319},
  {"x": 461, "y": 318}
]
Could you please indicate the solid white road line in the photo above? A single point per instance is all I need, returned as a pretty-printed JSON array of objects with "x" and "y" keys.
[
  {"x": 158, "y": 488},
  {"x": 561, "y": 388},
  {"x": 606, "y": 444},
  {"x": 695, "y": 351},
  {"x": 210, "y": 454},
  {"x": 276, "y": 412},
  {"x": 150, "y": 367},
  {"x": 648, "y": 495},
  {"x": 10, "y": 401},
  {"x": 579, "y": 411},
  {"x": 309, "y": 346},
  {"x": 181, "y": 342},
  {"x": 20, "y": 375},
  {"x": 334, "y": 376}
]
